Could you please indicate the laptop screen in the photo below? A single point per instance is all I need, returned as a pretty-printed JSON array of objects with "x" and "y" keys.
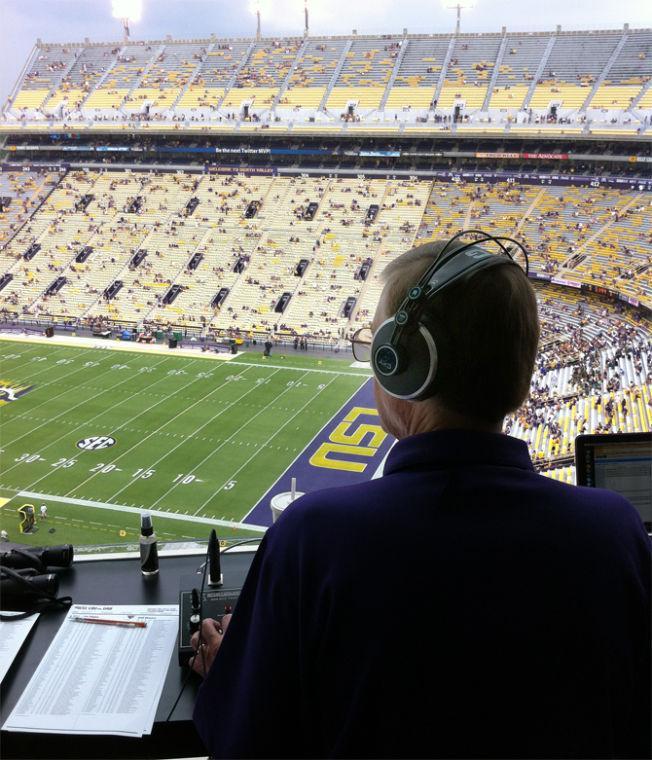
[{"x": 621, "y": 463}]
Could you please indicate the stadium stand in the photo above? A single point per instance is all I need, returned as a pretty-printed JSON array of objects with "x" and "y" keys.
[
  {"x": 21, "y": 193},
  {"x": 584, "y": 236},
  {"x": 595, "y": 80},
  {"x": 311, "y": 76}
]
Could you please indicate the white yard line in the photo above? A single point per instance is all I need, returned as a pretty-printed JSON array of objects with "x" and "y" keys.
[
  {"x": 23, "y": 365},
  {"x": 44, "y": 497},
  {"x": 126, "y": 422},
  {"x": 82, "y": 424},
  {"x": 217, "y": 448},
  {"x": 106, "y": 344},
  {"x": 302, "y": 452},
  {"x": 56, "y": 381},
  {"x": 10, "y": 372},
  {"x": 192, "y": 435},
  {"x": 260, "y": 448},
  {"x": 306, "y": 369},
  {"x": 159, "y": 428},
  {"x": 22, "y": 353}
]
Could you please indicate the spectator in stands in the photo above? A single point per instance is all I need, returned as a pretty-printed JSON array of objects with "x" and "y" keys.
[{"x": 460, "y": 606}]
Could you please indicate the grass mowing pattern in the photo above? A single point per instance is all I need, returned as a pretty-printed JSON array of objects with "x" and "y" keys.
[{"x": 194, "y": 437}]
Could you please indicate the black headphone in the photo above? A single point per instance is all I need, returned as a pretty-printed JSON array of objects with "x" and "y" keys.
[{"x": 404, "y": 354}]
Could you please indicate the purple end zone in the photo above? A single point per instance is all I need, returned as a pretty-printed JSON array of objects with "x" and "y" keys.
[{"x": 348, "y": 449}]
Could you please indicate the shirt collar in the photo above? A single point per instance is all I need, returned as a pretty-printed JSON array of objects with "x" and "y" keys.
[{"x": 458, "y": 448}]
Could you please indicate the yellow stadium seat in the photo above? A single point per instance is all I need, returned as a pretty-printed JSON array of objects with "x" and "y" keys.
[
  {"x": 366, "y": 97},
  {"x": 508, "y": 97},
  {"x": 196, "y": 96},
  {"x": 616, "y": 97},
  {"x": 569, "y": 95},
  {"x": 306, "y": 97},
  {"x": 417, "y": 97},
  {"x": 106, "y": 98},
  {"x": 472, "y": 96},
  {"x": 29, "y": 98},
  {"x": 261, "y": 96}
]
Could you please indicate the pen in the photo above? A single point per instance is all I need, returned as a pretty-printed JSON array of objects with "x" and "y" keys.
[{"x": 102, "y": 621}]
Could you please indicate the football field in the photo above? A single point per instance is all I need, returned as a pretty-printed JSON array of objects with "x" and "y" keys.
[{"x": 98, "y": 435}]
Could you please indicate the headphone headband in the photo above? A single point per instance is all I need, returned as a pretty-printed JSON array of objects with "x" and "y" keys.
[{"x": 403, "y": 343}]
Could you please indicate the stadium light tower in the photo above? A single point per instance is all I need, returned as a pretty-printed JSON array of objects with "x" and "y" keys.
[
  {"x": 459, "y": 7},
  {"x": 128, "y": 11},
  {"x": 305, "y": 18},
  {"x": 255, "y": 7}
]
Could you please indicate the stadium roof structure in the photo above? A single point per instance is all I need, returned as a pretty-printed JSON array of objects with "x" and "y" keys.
[{"x": 570, "y": 83}]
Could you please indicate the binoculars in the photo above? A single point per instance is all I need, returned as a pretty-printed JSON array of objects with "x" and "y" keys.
[{"x": 36, "y": 557}]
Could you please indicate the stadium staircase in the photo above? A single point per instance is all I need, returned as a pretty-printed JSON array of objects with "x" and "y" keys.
[
  {"x": 394, "y": 74},
  {"x": 336, "y": 74},
  {"x": 138, "y": 80},
  {"x": 540, "y": 195},
  {"x": 605, "y": 71},
  {"x": 117, "y": 274},
  {"x": 59, "y": 272},
  {"x": 598, "y": 235},
  {"x": 100, "y": 82},
  {"x": 34, "y": 210},
  {"x": 467, "y": 219},
  {"x": 644, "y": 90},
  {"x": 444, "y": 71},
  {"x": 540, "y": 69},
  {"x": 496, "y": 71},
  {"x": 6, "y": 106},
  {"x": 297, "y": 60},
  {"x": 173, "y": 280},
  {"x": 64, "y": 74},
  {"x": 234, "y": 76},
  {"x": 192, "y": 77}
]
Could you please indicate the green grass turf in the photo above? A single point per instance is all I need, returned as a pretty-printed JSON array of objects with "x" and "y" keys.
[{"x": 194, "y": 436}]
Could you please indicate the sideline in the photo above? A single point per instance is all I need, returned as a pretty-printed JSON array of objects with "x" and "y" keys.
[
  {"x": 139, "y": 510},
  {"x": 118, "y": 345},
  {"x": 145, "y": 348}
]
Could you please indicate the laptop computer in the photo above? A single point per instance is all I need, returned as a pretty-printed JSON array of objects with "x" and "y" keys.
[{"x": 621, "y": 462}]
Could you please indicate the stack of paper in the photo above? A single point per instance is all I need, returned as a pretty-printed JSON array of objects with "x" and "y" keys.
[
  {"x": 103, "y": 673},
  {"x": 12, "y": 636}
]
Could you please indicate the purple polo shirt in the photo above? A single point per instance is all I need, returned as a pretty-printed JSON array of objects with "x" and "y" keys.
[{"x": 460, "y": 606}]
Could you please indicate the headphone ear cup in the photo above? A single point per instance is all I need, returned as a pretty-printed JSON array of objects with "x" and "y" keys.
[{"x": 416, "y": 362}]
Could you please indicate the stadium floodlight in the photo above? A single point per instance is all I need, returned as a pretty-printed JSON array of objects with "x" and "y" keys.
[
  {"x": 128, "y": 11},
  {"x": 255, "y": 8},
  {"x": 459, "y": 6}
]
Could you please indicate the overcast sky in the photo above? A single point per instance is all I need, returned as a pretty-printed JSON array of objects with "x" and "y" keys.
[{"x": 23, "y": 21}]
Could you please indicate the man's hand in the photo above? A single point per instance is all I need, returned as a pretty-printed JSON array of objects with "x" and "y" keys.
[{"x": 211, "y": 640}]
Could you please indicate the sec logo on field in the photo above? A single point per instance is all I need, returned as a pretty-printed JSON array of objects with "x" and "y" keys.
[{"x": 95, "y": 442}]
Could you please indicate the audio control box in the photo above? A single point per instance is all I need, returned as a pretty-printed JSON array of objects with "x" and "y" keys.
[{"x": 215, "y": 603}]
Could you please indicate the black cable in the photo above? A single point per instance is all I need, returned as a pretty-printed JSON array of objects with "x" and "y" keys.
[
  {"x": 201, "y": 619},
  {"x": 239, "y": 543},
  {"x": 200, "y": 647}
]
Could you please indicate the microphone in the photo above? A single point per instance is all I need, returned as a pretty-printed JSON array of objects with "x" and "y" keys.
[{"x": 215, "y": 577}]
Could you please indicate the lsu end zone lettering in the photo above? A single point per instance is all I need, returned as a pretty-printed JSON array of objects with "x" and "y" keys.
[{"x": 353, "y": 443}]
